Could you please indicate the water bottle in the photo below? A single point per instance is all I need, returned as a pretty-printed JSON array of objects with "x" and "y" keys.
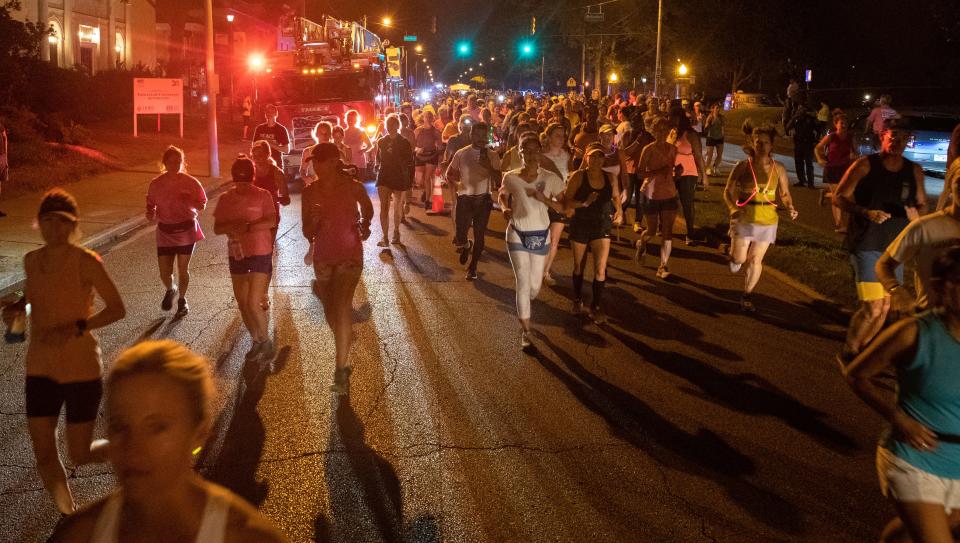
[
  {"x": 236, "y": 249},
  {"x": 15, "y": 315}
]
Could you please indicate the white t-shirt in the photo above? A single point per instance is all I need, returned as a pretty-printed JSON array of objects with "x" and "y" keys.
[
  {"x": 560, "y": 160},
  {"x": 922, "y": 242},
  {"x": 528, "y": 213},
  {"x": 475, "y": 178}
]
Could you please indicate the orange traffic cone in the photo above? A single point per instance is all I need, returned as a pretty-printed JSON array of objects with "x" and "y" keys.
[{"x": 438, "y": 207}]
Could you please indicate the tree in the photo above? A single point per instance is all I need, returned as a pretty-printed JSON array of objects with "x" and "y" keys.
[{"x": 19, "y": 46}]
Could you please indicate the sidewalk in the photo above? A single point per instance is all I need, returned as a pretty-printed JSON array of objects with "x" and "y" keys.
[{"x": 111, "y": 205}]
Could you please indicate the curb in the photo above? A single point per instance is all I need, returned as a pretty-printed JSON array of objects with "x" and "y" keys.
[{"x": 15, "y": 281}]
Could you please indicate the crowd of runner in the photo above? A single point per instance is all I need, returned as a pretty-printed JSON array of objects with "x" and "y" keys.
[{"x": 552, "y": 166}]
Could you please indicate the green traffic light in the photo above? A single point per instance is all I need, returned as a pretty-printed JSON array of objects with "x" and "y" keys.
[
  {"x": 464, "y": 48},
  {"x": 526, "y": 49}
]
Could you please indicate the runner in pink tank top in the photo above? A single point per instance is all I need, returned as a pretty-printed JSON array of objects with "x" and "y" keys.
[
  {"x": 174, "y": 199},
  {"x": 331, "y": 206}
]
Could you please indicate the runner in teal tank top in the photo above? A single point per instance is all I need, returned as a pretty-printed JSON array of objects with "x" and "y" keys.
[{"x": 918, "y": 459}]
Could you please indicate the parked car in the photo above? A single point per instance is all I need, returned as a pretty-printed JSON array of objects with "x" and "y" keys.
[
  {"x": 927, "y": 146},
  {"x": 750, "y": 100}
]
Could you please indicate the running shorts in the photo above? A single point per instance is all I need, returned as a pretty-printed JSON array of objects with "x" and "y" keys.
[
  {"x": 175, "y": 250},
  {"x": 869, "y": 288},
  {"x": 252, "y": 264},
  {"x": 714, "y": 142},
  {"x": 654, "y": 207},
  {"x": 581, "y": 233},
  {"x": 904, "y": 482},
  {"x": 45, "y": 397}
]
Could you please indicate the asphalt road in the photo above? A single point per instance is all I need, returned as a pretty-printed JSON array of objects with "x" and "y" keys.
[{"x": 680, "y": 420}]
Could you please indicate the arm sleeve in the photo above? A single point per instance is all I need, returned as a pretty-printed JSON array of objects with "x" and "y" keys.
[{"x": 283, "y": 136}]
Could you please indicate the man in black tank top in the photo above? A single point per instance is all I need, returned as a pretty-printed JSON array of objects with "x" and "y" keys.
[{"x": 882, "y": 193}]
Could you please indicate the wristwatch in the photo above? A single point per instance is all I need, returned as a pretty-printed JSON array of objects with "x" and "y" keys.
[{"x": 81, "y": 327}]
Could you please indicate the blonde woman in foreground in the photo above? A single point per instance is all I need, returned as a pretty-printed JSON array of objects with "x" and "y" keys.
[{"x": 158, "y": 417}]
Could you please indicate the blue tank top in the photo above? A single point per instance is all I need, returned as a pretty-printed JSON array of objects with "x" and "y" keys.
[{"x": 929, "y": 391}]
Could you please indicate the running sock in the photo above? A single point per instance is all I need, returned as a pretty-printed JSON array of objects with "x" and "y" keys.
[
  {"x": 597, "y": 292},
  {"x": 665, "y": 251},
  {"x": 577, "y": 286}
]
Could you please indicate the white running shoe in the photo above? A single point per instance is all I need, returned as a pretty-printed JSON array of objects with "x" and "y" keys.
[{"x": 734, "y": 267}]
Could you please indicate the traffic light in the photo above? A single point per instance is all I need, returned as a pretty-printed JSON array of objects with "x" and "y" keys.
[
  {"x": 527, "y": 49},
  {"x": 533, "y": 25},
  {"x": 464, "y": 48}
]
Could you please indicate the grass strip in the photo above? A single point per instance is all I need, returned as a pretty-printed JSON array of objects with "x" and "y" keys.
[{"x": 810, "y": 256}]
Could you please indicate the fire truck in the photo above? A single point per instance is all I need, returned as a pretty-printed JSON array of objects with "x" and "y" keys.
[{"x": 319, "y": 72}]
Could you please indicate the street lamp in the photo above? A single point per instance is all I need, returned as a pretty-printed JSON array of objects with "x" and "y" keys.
[
  {"x": 387, "y": 21},
  {"x": 683, "y": 79},
  {"x": 230, "y": 17},
  {"x": 418, "y": 48}
]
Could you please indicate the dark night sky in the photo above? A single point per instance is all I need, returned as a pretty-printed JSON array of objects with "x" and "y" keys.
[{"x": 890, "y": 42}]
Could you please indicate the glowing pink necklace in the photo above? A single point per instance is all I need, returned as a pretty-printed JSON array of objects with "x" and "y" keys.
[{"x": 756, "y": 187}]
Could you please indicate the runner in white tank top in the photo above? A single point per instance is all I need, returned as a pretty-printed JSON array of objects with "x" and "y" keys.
[{"x": 213, "y": 524}]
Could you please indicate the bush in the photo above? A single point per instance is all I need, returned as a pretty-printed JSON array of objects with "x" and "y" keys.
[{"x": 27, "y": 145}]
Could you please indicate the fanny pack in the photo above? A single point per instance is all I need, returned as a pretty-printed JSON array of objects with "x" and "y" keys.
[
  {"x": 533, "y": 240},
  {"x": 428, "y": 155},
  {"x": 178, "y": 227}
]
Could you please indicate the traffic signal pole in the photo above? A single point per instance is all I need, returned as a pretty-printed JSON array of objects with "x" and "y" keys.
[
  {"x": 213, "y": 152},
  {"x": 657, "y": 70}
]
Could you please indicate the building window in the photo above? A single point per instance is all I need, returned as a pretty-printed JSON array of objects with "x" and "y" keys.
[
  {"x": 89, "y": 34},
  {"x": 119, "y": 50},
  {"x": 55, "y": 42}
]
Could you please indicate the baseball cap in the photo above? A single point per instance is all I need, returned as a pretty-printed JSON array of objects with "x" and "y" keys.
[
  {"x": 594, "y": 148},
  {"x": 607, "y": 129}
]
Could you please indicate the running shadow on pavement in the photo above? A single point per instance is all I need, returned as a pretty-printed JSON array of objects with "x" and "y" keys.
[
  {"x": 543, "y": 313},
  {"x": 702, "y": 454},
  {"x": 423, "y": 264},
  {"x": 721, "y": 301},
  {"x": 235, "y": 467},
  {"x": 746, "y": 393},
  {"x": 427, "y": 227},
  {"x": 662, "y": 326},
  {"x": 364, "y": 487}
]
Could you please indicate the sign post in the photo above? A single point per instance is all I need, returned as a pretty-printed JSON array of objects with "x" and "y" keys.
[{"x": 157, "y": 96}]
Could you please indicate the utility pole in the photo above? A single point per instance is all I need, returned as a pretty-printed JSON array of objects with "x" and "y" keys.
[
  {"x": 583, "y": 66},
  {"x": 542, "y": 60},
  {"x": 656, "y": 70},
  {"x": 212, "y": 87}
]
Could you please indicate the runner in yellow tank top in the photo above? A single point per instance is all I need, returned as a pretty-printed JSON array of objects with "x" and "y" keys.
[{"x": 751, "y": 196}]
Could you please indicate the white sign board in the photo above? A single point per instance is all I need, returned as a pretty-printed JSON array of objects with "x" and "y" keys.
[{"x": 156, "y": 96}]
